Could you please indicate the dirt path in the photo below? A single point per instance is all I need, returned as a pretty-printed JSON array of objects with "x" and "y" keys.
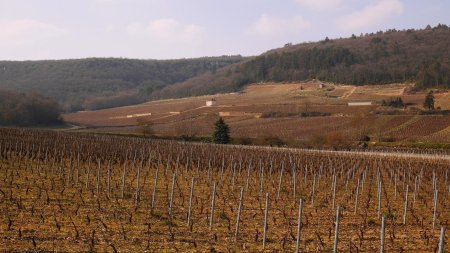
[{"x": 349, "y": 93}]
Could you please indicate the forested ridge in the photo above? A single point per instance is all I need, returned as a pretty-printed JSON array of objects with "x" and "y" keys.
[
  {"x": 419, "y": 56},
  {"x": 392, "y": 56},
  {"x": 102, "y": 82}
]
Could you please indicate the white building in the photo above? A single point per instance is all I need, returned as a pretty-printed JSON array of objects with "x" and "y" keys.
[
  {"x": 359, "y": 103},
  {"x": 211, "y": 102}
]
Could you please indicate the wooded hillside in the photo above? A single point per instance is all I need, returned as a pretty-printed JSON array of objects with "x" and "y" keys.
[
  {"x": 100, "y": 83},
  {"x": 420, "y": 56}
]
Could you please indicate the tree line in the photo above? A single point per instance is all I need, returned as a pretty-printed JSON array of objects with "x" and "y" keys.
[
  {"x": 409, "y": 56},
  {"x": 28, "y": 110}
]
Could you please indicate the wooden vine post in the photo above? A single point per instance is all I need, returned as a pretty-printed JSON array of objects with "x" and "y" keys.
[
  {"x": 239, "y": 214},
  {"x": 336, "y": 232},
  {"x": 382, "y": 230},
  {"x": 266, "y": 214},
  {"x": 213, "y": 200},
  {"x": 299, "y": 225}
]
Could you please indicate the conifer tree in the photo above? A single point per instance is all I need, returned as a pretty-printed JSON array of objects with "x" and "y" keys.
[{"x": 221, "y": 133}]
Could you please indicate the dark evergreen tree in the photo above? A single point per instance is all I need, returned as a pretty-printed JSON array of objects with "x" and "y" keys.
[
  {"x": 429, "y": 101},
  {"x": 221, "y": 133}
]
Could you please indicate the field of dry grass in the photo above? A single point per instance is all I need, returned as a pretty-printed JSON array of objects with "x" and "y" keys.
[{"x": 443, "y": 101}]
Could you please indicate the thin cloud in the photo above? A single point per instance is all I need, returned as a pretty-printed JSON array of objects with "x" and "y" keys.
[
  {"x": 28, "y": 31},
  {"x": 104, "y": 1},
  {"x": 320, "y": 4},
  {"x": 167, "y": 30},
  {"x": 268, "y": 26},
  {"x": 371, "y": 15}
]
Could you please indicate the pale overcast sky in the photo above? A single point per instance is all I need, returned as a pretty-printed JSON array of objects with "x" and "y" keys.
[{"x": 166, "y": 29}]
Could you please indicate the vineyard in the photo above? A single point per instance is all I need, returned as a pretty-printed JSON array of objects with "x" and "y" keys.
[
  {"x": 303, "y": 114},
  {"x": 71, "y": 192}
]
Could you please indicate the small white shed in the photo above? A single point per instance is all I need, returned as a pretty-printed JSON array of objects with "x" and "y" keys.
[
  {"x": 211, "y": 102},
  {"x": 362, "y": 103}
]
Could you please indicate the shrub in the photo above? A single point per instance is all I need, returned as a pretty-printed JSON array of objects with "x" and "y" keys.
[
  {"x": 393, "y": 102},
  {"x": 273, "y": 141}
]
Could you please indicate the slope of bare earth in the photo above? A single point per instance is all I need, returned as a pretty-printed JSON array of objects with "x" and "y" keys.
[{"x": 273, "y": 110}]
